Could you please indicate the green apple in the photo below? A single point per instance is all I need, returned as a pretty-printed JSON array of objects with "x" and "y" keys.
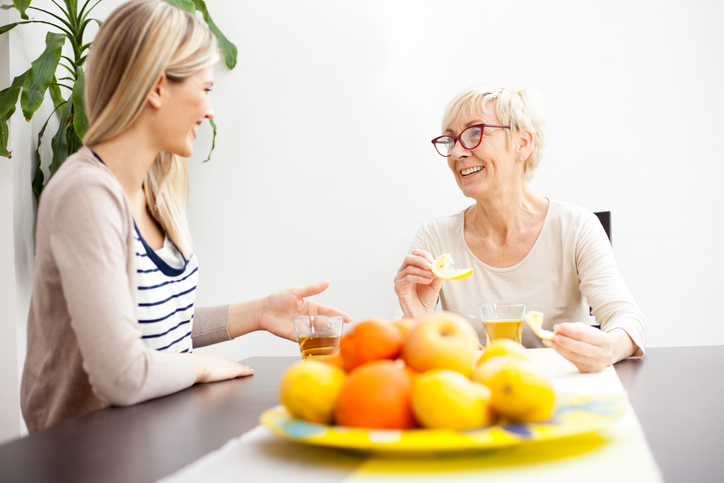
[
  {"x": 446, "y": 399},
  {"x": 441, "y": 341}
]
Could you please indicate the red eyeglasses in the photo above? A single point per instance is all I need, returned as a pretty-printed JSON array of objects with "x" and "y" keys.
[{"x": 470, "y": 139}]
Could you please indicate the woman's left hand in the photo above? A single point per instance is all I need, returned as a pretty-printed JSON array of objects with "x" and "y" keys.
[
  {"x": 589, "y": 348},
  {"x": 281, "y": 307}
]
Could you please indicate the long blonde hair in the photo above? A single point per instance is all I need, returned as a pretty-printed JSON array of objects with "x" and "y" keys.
[
  {"x": 140, "y": 41},
  {"x": 513, "y": 107}
]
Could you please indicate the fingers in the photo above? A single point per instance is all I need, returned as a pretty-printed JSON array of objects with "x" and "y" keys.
[
  {"x": 213, "y": 367},
  {"x": 312, "y": 308},
  {"x": 420, "y": 259},
  {"x": 317, "y": 309},
  {"x": 589, "y": 349},
  {"x": 576, "y": 330},
  {"x": 424, "y": 254},
  {"x": 243, "y": 370},
  {"x": 415, "y": 269},
  {"x": 309, "y": 290}
]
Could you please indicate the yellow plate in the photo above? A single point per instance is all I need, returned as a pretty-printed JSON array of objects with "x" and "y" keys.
[{"x": 583, "y": 416}]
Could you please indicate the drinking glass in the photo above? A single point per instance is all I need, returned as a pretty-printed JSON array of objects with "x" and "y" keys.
[
  {"x": 318, "y": 335},
  {"x": 502, "y": 321}
]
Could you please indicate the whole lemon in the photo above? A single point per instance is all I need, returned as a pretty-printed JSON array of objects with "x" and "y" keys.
[
  {"x": 443, "y": 398},
  {"x": 503, "y": 347},
  {"x": 520, "y": 392},
  {"x": 309, "y": 390}
]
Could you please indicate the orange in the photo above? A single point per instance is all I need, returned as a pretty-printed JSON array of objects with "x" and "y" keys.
[
  {"x": 520, "y": 392},
  {"x": 376, "y": 395},
  {"x": 370, "y": 340}
]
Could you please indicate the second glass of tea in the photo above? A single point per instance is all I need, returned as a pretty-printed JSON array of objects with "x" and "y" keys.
[
  {"x": 502, "y": 321},
  {"x": 318, "y": 335}
]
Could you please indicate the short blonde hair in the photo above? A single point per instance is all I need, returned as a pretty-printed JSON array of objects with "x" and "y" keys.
[
  {"x": 513, "y": 107},
  {"x": 138, "y": 43}
]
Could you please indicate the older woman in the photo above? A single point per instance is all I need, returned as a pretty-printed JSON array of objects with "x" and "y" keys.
[{"x": 523, "y": 247}]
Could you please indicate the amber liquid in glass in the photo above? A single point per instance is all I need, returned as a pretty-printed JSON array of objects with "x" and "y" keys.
[
  {"x": 502, "y": 329},
  {"x": 314, "y": 345}
]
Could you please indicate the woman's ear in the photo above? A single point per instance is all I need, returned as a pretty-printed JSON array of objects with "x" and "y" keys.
[
  {"x": 525, "y": 144},
  {"x": 157, "y": 94}
]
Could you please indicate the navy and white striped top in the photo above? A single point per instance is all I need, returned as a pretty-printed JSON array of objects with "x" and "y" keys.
[{"x": 166, "y": 294}]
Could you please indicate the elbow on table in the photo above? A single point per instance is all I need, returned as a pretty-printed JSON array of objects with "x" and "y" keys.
[
  {"x": 119, "y": 394},
  {"x": 124, "y": 388}
]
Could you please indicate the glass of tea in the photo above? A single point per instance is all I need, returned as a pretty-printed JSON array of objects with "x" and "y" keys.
[
  {"x": 318, "y": 335},
  {"x": 502, "y": 321}
]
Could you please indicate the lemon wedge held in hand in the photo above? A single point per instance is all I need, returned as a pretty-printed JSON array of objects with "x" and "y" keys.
[
  {"x": 535, "y": 321},
  {"x": 442, "y": 268}
]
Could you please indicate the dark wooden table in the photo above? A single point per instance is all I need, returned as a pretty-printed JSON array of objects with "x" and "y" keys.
[{"x": 677, "y": 394}]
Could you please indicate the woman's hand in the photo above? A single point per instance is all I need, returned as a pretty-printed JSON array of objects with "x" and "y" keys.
[
  {"x": 280, "y": 308},
  {"x": 416, "y": 286},
  {"x": 588, "y": 348},
  {"x": 212, "y": 368},
  {"x": 276, "y": 312}
]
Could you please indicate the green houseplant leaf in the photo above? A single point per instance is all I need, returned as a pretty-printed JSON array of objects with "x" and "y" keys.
[
  {"x": 41, "y": 74},
  {"x": 4, "y": 139},
  {"x": 21, "y": 6},
  {"x": 80, "y": 121},
  {"x": 8, "y": 100},
  {"x": 185, "y": 5},
  {"x": 59, "y": 143},
  {"x": 227, "y": 48},
  {"x": 9, "y": 96},
  {"x": 213, "y": 140},
  {"x": 63, "y": 77}
]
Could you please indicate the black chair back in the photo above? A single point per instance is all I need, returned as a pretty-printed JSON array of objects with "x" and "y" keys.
[{"x": 605, "y": 218}]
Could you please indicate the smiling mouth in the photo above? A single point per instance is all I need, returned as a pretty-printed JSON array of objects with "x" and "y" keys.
[{"x": 472, "y": 170}]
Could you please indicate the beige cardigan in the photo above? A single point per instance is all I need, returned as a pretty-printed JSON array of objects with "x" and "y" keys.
[{"x": 84, "y": 344}]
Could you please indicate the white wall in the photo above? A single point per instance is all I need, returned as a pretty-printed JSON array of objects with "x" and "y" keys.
[{"x": 324, "y": 169}]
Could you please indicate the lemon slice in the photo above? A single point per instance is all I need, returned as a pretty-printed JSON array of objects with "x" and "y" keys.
[
  {"x": 442, "y": 269},
  {"x": 535, "y": 321}
]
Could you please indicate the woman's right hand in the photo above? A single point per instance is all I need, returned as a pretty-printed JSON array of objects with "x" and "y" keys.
[
  {"x": 213, "y": 367},
  {"x": 416, "y": 286}
]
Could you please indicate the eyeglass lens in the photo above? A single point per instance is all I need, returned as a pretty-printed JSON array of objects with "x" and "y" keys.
[{"x": 469, "y": 138}]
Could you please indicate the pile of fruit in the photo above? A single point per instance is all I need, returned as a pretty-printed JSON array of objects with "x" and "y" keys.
[{"x": 407, "y": 374}]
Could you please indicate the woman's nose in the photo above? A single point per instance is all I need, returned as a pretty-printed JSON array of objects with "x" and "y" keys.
[
  {"x": 458, "y": 151},
  {"x": 209, "y": 112}
]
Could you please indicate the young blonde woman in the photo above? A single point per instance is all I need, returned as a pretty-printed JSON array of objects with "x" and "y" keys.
[{"x": 112, "y": 318}]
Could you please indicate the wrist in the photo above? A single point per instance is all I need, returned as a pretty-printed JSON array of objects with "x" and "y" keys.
[
  {"x": 245, "y": 317},
  {"x": 623, "y": 346},
  {"x": 201, "y": 370}
]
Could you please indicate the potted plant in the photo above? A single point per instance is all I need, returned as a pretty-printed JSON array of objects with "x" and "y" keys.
[{"x": 63, "y": 76}]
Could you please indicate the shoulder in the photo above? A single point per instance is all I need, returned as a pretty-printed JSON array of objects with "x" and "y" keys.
[
  {"x": 440, "y": 233},
  {"x": 83, "y": 187},
  {"x": 81, "y": 169},
  {"x": 576, "y": 226},
  {"x": 444, "y": 224},
  {"x": 567, "y": 216}
]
